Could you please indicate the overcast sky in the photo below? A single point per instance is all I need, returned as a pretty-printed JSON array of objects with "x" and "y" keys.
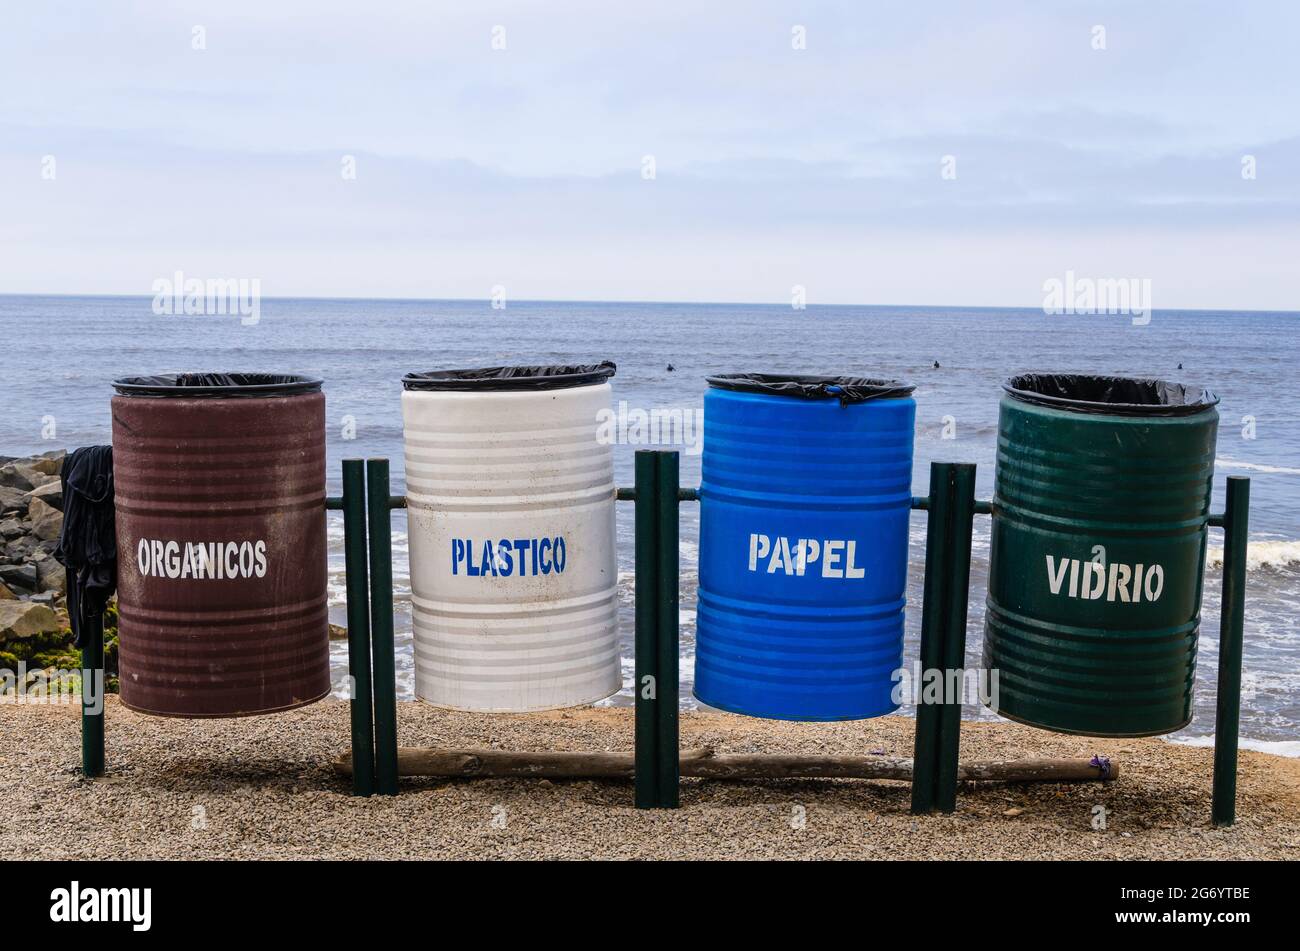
[{"x": 126, "y": 153}]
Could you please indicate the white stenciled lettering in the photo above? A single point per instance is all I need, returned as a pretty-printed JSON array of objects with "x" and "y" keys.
[
  {"x": 781, "y": 557},
  {"x": 1094, "y": 581},
  {"x": 203, "y": 561},
  {"x": 1055, "y": 577},
  {"x": 172, "y": 559},
  {"x": 1115, "y": 582},
  {"x": 850, "y": 569},
  {"x": 831, "y": 557},
  {"x": 1155, "y": 583},
  {"x": 793, "y": 556}
]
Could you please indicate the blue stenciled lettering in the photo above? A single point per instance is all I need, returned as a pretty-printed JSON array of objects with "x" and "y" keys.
[
  {"x": 505, "y": 558},
  {"x": 509, "y": 557}
]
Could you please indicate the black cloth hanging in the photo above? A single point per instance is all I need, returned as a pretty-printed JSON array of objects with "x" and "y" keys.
[{"x": 87, "y": 545}]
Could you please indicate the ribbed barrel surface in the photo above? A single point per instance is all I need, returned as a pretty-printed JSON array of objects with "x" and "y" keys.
[
  {"x": 804, "y": 509},
  {"x": 222, "y": 562},
  {"x": 513, "y": 569},
  {"x": 1098, "y": 551}
]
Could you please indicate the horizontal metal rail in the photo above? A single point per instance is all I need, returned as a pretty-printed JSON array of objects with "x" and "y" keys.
[{"x": 627, "y": 493}]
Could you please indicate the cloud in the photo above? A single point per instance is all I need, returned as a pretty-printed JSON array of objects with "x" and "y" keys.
[{"x": 231, "y": 154}]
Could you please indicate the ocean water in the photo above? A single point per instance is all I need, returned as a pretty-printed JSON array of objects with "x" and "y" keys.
[{"x": 64, "y": 352}]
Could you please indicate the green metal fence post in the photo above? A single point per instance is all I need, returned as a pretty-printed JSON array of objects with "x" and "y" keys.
[
  {"x": 937, "y": 535},
  {"x": 956, "y": 599},
  {"x": 667, "y": 598},
  {"x": 646, "y": 666},
  {"x": 358, "y": 595},
  {"x": 381, "y": 627},
  {"x": 1227, "y": 714},
  {"x": 92, "y": 700}
]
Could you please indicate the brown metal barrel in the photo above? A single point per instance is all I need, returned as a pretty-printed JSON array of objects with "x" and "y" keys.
[{"x": 220, "y": 503}]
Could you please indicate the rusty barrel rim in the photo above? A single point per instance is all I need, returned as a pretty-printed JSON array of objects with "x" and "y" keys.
[{"x": 218, "y": 384}]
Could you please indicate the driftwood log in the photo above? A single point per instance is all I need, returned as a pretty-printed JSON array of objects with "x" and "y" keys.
[{"x": 505, "y": 764}]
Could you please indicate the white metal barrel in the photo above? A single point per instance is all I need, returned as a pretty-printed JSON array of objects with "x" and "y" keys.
[{"x": 510, "y": 499}]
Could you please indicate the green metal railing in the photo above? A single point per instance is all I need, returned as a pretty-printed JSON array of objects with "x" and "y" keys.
[
  {"x": 93, "y": 691},
  {"x": 1232, "y": 624},
  {"x": 367, "y": 505},
  {"x": 657, "y": 597},
  {"x": 358, "y": 584},
  {"x": 949, "y": 507}
]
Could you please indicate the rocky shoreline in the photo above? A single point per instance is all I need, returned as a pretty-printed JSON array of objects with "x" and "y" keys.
[{"x": 35, "y": 638}]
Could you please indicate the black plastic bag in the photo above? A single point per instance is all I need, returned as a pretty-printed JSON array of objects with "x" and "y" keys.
[
  {"x": 1109, "y": 395},
  {"x": 87, "y": 546},
  {"x": 190, "y": 385},
  {"x": 483, "y": 379},
  {"x": 846, "y": 389}
]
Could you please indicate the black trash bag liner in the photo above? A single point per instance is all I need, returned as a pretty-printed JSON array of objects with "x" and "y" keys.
[
  {"x": 1109, "y": 395},
  {"x": 190, "y": 385},
  {"x": 87, "y": 545},
  {"x": 484, "y": 379},
  {"x": 846, "y": 389}
]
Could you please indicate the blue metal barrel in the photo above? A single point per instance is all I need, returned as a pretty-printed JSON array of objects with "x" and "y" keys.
[{"x": 804, "y": 503}]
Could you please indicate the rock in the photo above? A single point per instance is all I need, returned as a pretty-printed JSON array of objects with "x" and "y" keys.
[
  {"x": 20, "y": 550},
  {"x": 49, "y": 463},
  {"x": 11, "y": 478},
  {"x": 50, "y": 493},
  {"x": 51, "y": 576},
  {"x": 20, "y": 475},
  {"x": 19, "y": 576},
  {"x": 21, "y": 619},
  {"x": 13, "y": 500},
  {"x": 6, "y": 594},
  {"x": 47, "y": 521},
  {"x": 11, "y": 528},
  {"x": 338, "y": 632}
]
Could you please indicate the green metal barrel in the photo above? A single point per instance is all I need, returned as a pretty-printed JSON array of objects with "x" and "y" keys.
[{"x": 1100, "y": 521}]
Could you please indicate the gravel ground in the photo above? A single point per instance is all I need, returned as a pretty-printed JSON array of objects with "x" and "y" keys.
[{"x": 265, "y": 788}]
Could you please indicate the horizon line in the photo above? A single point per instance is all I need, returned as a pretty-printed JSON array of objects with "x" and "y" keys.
[{"x": 697, "y": 303}]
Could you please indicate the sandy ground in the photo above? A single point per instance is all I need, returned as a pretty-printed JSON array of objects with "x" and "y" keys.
[{"x": 266, "y": 788}]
